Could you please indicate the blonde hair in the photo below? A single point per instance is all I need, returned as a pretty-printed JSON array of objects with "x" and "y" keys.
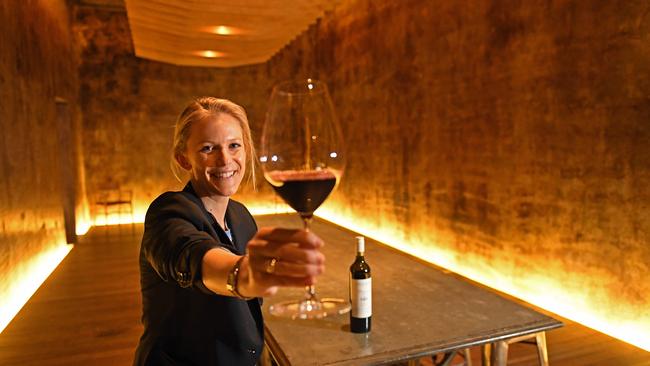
[{"x": 204, "y": 107}]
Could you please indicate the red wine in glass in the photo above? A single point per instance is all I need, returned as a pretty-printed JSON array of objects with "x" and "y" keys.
[{"x": 304, "y": 191}]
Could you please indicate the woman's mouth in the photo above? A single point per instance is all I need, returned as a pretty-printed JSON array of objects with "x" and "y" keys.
[{"x": 223, "y": 175}]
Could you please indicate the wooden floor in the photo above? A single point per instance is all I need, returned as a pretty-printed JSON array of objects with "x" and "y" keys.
[{"x": 88, "y": 313}]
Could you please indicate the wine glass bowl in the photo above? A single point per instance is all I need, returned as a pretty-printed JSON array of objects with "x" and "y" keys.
[
  {"x": 303, "y": 160},
  {"x": 305, "y": 190}
]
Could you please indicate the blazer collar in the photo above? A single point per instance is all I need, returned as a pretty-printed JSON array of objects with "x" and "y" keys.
[{"x": 233, "y": 221}]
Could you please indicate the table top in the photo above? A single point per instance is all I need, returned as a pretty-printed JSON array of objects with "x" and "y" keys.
[{"x": 417, "y": 310}]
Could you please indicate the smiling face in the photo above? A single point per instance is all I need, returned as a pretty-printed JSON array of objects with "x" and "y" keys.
[{"x": 215, "y": 156}]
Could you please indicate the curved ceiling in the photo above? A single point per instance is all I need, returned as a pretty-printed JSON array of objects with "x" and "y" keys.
[{"x": 218, "y": 33}]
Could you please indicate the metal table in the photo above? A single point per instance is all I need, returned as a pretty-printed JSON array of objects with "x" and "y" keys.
[{"x": 418, "y": 310}]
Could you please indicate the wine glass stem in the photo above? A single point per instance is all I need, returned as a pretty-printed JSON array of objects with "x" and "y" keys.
[{"x": 311, "y": 290}]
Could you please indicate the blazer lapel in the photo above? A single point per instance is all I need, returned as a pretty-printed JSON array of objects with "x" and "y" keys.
[
  {"x": 238, "y": 229},
  {"x": 217, "y": 232}
]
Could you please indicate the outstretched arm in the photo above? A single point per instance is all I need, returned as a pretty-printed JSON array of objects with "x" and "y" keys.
[{"x": 295, "y": 255}]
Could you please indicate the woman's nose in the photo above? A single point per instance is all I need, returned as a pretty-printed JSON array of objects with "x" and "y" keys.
[{"x": 222, "y": 157}]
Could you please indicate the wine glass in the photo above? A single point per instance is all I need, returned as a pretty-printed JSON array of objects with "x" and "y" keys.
[{"x": 302, "y": 158}]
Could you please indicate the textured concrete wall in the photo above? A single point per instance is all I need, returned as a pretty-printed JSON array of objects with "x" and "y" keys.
[
  {"x": 130, "y": 105},
  {"x": 37, "y": 64},
  {"x": 511, "y": 138}
]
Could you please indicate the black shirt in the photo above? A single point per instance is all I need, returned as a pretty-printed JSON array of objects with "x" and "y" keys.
[{"x": 184, "y": 322}]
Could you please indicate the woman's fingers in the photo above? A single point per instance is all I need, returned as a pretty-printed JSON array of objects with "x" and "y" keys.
[
  {"x": 279, "y": 266},
  {"x": 289, "y": 252},
  {"x": 284, "y": 257},
  {"x": 305, "y": 239},
  {"x": 266, "y": 284}
]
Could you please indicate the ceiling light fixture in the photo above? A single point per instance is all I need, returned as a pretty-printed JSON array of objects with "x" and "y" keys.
[
  {"x": 209, "y": 54},
  {"x": 223, "y": 30}
]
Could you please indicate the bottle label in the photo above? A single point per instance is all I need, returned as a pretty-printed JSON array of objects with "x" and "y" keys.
[{"x": 361, "y": 297}]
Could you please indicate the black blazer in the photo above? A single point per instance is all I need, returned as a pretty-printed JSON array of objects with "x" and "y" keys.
[{"x": 184, "y": 322}]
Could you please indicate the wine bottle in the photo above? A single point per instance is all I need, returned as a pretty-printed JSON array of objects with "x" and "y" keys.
[{"x": 360, "y": 291}]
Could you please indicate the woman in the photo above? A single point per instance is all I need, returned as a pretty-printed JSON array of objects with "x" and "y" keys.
[{"x": 203, "y": 263}]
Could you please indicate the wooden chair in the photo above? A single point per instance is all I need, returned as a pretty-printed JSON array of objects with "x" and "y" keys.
[
  {"x": 446, "y": 358},
  {"x": 115, "y": 202},
  {"x": 497, "y": 353}
]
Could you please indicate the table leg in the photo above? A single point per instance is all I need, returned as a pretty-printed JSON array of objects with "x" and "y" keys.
[
  {"x": 486, "y": 354},
  {"x": 446, "y": 359},
  {"x": 468, "y": 356},
  {"x": 266, "y": 359},
  {"x": 501, "y": 353},
  {"x": 542, "y": 352}
]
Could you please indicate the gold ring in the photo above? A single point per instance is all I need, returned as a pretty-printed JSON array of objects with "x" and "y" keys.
[{"x": 270, "y": 268}]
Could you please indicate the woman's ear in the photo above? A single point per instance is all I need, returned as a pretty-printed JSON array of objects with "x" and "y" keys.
[{"x": 183, "y": 162}]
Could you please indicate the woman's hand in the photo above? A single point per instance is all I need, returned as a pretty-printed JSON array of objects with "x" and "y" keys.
[{"x": 280, "y": 257}]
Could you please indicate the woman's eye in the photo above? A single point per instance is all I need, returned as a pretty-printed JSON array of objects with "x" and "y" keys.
[
  {"x": 235, "y": 145},
  {"x": 206, "y": 148}
]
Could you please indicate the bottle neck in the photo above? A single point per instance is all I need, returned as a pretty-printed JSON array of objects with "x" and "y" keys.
[{"x": 360, "y": 254}]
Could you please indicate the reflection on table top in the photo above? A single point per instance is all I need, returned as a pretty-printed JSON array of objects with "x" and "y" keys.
[{"x": 418, "y": 309}]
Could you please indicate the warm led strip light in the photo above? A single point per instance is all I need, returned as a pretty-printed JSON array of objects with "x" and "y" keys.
[
  {"x": 82, "y": 227},
  {"x": 535, "y": 290},
  {"x": 35, "y": 272},
  {"x": 100, "y": 220}
]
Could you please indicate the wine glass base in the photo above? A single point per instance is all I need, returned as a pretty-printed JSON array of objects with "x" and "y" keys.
[{"x": 310, "y": 309}]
